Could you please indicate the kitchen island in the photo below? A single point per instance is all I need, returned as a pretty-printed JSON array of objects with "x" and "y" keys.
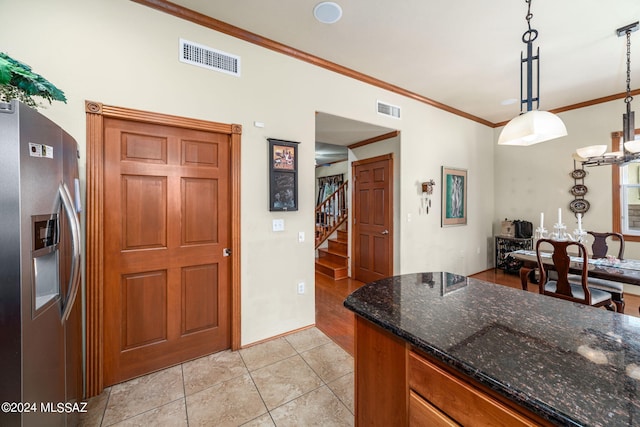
[{"x": 443, "y": 349}]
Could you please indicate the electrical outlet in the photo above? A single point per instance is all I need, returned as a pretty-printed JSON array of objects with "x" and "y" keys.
[
  {"x": 301, "y": 288},
  {"x": 300, "y": 236}
]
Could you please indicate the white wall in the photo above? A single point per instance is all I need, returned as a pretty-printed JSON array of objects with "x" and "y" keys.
[
  {"x": 439, "y": 139},
  {"x": 125, "y": 54}
]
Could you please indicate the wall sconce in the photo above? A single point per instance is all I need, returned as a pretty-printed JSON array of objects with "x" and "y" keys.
[{"x": 427, "y": 191}]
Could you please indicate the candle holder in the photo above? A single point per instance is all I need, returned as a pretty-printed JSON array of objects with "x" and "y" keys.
[
  {"x": 541, "y": 233},
  {"x": 560, "y": 232},
  {"x": 579, "y": 235}
]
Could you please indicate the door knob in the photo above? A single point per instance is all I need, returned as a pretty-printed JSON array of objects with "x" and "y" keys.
[{"x": 384, "y": 232}]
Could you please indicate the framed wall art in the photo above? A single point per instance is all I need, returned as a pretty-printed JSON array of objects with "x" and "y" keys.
[
  {"x": 454, "y": 196},
  {"x": 283, "y": 175}
]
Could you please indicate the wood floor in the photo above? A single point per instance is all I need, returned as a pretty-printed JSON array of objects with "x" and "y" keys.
[
  {"x": 337, "y": 322},
  {"x": 331, "y": 316}
]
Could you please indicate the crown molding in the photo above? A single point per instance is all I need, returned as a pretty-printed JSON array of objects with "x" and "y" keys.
[{"x": 231, "y": 30}]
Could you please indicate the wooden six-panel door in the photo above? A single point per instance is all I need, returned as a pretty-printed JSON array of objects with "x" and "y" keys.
[
  {"x": 372, "y": 218},
  {"x": 166, "y": 227}
]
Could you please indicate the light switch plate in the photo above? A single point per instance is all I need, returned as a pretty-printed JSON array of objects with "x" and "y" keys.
[{"x": 278, "y": 225}]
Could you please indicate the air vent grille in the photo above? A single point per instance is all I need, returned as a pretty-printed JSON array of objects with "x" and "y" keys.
[
  {"x": 388, "y": 109},
  {"x": 206, "y": 57}
]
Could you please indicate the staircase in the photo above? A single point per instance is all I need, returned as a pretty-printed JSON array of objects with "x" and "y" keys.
[
  {"x": 333, "y": 261},
  {"x": 331, "y": 223},
  {"x": 331, "y": 214}
]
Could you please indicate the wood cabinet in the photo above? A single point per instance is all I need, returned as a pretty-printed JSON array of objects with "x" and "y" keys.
[
  {"x": 458, "y": 398},
  {"x": 380, "y": 376},
  {"x": 424, "y": 414},
  {"x": 397, "y": 385}
]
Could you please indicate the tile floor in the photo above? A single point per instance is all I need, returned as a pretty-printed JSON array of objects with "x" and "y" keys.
[{"x": 302, "y": 379}]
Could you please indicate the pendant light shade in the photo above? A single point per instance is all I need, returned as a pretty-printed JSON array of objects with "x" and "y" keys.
[{"x": 531, "y": 128}]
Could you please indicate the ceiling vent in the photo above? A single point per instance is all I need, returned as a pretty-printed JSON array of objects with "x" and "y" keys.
[
  {"x": 388, "y": 110},
  {"x": 206, "y": 57}
]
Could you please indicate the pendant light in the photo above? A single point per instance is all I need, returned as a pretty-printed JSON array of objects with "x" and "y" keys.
[
  {"x": 532, "y": 126},
  {"x": 595, "y": 155}
]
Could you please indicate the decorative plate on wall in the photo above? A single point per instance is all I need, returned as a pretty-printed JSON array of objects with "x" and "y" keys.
[
  {"x": 578, "y": 174},
  {"x": 579, "y": 190},
  {"x": 579, "y": 206}
]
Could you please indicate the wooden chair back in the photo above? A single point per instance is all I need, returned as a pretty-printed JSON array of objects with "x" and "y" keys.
[
  {"x": 562, "y": 288},
  {"x": 561, "y": 262},
  {"x": 600, "y": 247}
]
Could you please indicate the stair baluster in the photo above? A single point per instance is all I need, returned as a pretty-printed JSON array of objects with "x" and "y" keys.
[{"x": 331, "y": 213}]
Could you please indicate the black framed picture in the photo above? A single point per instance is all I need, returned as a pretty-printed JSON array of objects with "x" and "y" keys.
[{"x": 283, "y": 175}]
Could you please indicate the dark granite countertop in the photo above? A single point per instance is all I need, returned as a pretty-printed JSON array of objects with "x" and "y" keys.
[{"x": 571, "y": 364}]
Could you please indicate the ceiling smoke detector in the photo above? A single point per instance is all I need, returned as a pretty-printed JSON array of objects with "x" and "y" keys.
[{"x": 327, "y": 12}]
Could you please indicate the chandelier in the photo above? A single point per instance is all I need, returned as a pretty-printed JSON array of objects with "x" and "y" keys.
[
  {"x": 596, "y": 155},
  {"x": 532, "y": 126}
]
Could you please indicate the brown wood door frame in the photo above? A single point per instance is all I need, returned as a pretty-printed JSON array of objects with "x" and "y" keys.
[
  {"x": 616, "y": 144},
  {"x": 354, "y": 240},
  {"x": 94, "y": 275}
]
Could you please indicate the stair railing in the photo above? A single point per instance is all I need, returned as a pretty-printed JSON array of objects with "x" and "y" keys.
[{"x": 331, "y": 213}]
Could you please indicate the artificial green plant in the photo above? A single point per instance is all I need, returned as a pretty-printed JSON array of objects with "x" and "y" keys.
[{"x": 17, "y": 81}]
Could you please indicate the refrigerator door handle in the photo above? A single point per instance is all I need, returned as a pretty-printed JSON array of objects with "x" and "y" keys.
[{"x": 74, "y": 225}]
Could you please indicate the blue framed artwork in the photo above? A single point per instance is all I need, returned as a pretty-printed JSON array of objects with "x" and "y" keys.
[{"x": 454, "y": 196}]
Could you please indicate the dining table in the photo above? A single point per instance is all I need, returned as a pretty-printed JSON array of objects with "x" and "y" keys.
[{"x": 617, "y": 270}]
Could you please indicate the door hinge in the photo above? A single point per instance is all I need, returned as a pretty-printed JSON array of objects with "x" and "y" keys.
[{"x": 226, "y": 252}]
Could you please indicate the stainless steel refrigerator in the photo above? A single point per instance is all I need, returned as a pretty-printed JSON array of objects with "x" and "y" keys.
[{"x": 40, "y": 247}]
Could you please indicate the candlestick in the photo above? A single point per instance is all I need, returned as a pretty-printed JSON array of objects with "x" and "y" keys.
[
  {"x": 580, "y": 221},
  {"x": 542, "y": 220},
  {"x": 560, "y": 232},
  {"x": 559, "y": 215},
  {"x": 579, "y": 235},
  {"x": 541, "y": 233}
]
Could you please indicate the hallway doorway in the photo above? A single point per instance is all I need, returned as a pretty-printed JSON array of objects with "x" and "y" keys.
[{"x": 340, "y": 142}]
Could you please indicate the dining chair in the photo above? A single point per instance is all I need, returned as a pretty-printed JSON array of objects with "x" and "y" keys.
[
  {"x": 600, "y": 249},
  {"x": 561, "y": 287}
]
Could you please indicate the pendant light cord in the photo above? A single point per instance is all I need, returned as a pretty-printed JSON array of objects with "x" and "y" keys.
[
  {"x": 628, "y": 98},
  {"x": 530, "y": 35}
]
